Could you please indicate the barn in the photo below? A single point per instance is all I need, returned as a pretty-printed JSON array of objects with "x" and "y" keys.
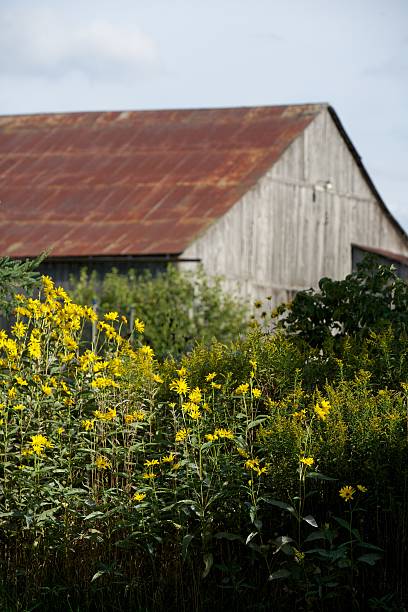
[{"x": 271, "y": 198}]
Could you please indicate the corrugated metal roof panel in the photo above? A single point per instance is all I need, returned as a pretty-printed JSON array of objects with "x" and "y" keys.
[{"x": 132, "y": 183}]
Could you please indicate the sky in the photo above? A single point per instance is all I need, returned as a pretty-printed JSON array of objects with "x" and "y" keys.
[{"x": 90, "y": 55}]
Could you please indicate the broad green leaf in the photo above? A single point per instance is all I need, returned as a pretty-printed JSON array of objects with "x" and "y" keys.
[
  {"x": 280, "y": 504},
  {"x": 251, "y": 537},
  {"x": 369, "y": 558},
  {"x": 319, "y": 476},
  {"x": 208, "y": 562},
  {"x": 282, "y": 573},
  {"x": 93, "y": 515},
  {"x": 310, "y": 520}
]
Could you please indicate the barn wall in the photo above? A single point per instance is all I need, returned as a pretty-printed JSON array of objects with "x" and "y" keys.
[{"x": 290, "y": 230}]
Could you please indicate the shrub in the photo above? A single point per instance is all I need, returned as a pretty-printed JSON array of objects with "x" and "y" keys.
[
  {"x": 367, "y": 301},
  {"x": 16, "y": 276},
  {"x": 179, "y": 308}
]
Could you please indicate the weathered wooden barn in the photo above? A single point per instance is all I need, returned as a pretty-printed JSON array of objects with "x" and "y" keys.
[{"x": 272, "y": 198}]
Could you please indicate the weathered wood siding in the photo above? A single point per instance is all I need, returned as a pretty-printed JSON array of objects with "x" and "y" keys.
[{"x": 290, "y": 230}]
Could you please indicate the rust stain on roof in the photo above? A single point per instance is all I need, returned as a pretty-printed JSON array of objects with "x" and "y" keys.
[{"x": 134, "y": 182}]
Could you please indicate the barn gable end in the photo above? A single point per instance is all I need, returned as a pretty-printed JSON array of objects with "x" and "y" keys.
[{"x": 299, "y": 222}]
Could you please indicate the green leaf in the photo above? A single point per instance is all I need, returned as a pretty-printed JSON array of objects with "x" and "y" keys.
[
  {"x": 342, "y": 522},
  {"x": 208, "y": 562},
  {"x": 316, "y": 535},
  {"x": 279, "y": 574},
  {"x": 310, "y": 520},
  {"x": 369, "y": 558},
  {"x": 257, "y": 422},
  {"x": 369, "y": 546},
  {"x": 319, "y": 476},
  {"x": 98, "y": 575},
  {"x": 223, "y": 535},
  {"x": 280, "y": 504},
  {"x": 251, "y": 537},
  {"x": 93, "y": 515}
]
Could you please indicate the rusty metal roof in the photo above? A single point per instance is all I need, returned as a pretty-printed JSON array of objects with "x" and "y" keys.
[{"x": 132, "y": 183}]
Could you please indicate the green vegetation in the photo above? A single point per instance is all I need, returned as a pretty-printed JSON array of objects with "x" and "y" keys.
[
  {"x": 17, "y": 276},
  {"x": 268, "y": 472},
  {"x": 178, "y": 308}
]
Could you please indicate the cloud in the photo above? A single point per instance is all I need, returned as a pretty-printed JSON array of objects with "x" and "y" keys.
[{"x": 43, "y": 42}]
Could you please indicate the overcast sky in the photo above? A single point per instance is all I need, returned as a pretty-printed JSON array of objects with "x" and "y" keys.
[{"x": 57, "y": 55}]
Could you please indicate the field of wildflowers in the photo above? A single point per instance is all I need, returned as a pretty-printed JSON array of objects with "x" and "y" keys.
[{"x": 232, "y": 479}]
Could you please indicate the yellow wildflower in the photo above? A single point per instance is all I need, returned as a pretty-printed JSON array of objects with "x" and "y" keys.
[
  {"x": 88, "y": 358},
  {"x": 34, "y": 346},
  {"x": 60, "y": 431},
  {"x": 147, "y": 350},
  {"x": 242, "y": 389},
  {"x": 11, "y": 348},
  {"x": 210, "y": 376},
  {"x": 309, "y": 461},
  {"x": 192, "y": 409},
  {"x": 69, "y": 343},
  {"x": 181, "y": 435},
  {"x": 322, "y": 410},
  {"x": 157, "y": 378},
  {"x": 195, "y": 395},
  {"x": 39, "y": 443},
  {"x": 12, "y": 392},
  {"x": 109, "y": 331},
  {"x": 19, "y": 407},
  {"x": 256, "y": 393},
  {"x": 168, "y": 458},
  {"x": 102, "y": 463},
  {"x": 139, "y": 326},
  {"x": 224, "y": 433},
  {"x": 215, "y": 385},
  {"x": 105, "y": 416},
  {"x": 88, "y": 424},
  {"x": 48, "y": 284},
  {"x": 149, "y": 475},
  {"x": 219, "y": 434},
  {"x": 179, "y": 386},
  {"x": 136, "y": 415},
  {"x": 182, "y": 372},
  {"x": 47, "y": 390},
  {"x": 23, "y": 312},
  {"x": 301, "y": 414},
  {"x": 111, "y": 316},
  {"x": 103, "y": 383},
  {"x": 253, "y": 464},
  {"x": 347, "y": 493},
  {"x": 151, "y": 462},
  {"x": 19, "y": 329},
  {"x": 65, "y": 387},
  {"x": 139, "y": 497},
  {"x": 362, "y": 488},
  {"x": 21, "y": 381}
]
